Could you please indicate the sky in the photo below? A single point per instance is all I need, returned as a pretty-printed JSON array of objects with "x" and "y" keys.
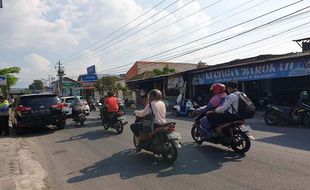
[{"x": 36, "y": 34}]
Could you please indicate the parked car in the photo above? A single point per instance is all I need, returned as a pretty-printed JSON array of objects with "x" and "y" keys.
[
  {"x": 37, "y": 110},
  {"x": 68, "y": 100}
]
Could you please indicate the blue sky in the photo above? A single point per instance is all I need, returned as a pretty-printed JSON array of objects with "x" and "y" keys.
[{"x": 35, "y": 34}]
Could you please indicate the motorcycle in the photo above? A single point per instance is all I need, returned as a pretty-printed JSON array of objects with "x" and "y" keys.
[
  {"x": 276, "y": 114},
  {"x": 162, "y": 141},
  {"x": 236, "y": 135},
  {"x": 115, "y": 121},
  {"x": 80, "y": 117},
  {"x": 187, "y": 110}
]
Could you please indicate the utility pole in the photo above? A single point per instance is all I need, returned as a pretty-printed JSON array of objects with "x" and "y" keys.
[
  {"x": 1, "y": 5},
  {"x": 60, "y": 74}
]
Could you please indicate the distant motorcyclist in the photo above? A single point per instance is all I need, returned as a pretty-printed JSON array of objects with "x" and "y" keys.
[
  {"x": 4, "y": 116},
  {"x": 112, "y": 104},
  {"x": 219, "y": 91},
  {"x": 228, "y": 112},
  {"x": 155, "y": 106},
  {"x": 76, "y": 104}
]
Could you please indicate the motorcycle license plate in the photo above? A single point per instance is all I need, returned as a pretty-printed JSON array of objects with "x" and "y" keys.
[
  {"x": 174, "y": 135},
  {"x": 245, "y": 128}
]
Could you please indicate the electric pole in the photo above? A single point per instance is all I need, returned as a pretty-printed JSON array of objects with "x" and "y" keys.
[
  {"x": 60, "y": 74},
  {"x": 1, "y": 5}
]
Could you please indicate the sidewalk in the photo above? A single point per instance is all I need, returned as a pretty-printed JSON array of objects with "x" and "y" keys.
[{"x": 19, "y": 171}]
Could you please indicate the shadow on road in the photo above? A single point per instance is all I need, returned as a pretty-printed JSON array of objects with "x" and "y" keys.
[
  {"x": 297, "y": 138},
  {"x": 91, "y": 135},
  {"x": 193, "y": 160},
  {"x": 36, "y": 131}
]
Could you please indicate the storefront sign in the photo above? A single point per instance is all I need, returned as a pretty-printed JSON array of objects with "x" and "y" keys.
[
  {"x": 257, "y": 72},
  {"x": 3, "y": 80},
  {"x": 89, "y": 78},
  {"x": 175, "y": 82}
]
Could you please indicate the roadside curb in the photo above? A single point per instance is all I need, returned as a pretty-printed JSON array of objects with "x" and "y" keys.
[{"x": 18, "y": 168}]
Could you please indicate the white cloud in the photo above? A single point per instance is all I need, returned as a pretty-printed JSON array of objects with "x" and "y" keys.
[{"x": 35, "y": 67}]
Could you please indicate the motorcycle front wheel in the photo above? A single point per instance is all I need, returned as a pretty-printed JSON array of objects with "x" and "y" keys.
[
  {"x": 170, "y": 153},
  {"x": 196, "y": 135},
  {"x": 242, "y": 142},
  {"x": 306, "y": 121},
  {"x": 191, "y": 114},
  {"x": 82, "y": 122},
  {"x": 119, "y": 127},
  {"x": 271, "y": 118}
]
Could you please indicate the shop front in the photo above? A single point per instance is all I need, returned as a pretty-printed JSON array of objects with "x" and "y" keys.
[{"x": 280, "y": 79}]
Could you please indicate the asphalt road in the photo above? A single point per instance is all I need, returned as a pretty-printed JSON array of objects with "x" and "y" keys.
[{"x": 89, "y": 157}]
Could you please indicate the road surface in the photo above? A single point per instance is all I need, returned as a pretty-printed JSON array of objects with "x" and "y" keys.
[{"x": 89, "y": 157}]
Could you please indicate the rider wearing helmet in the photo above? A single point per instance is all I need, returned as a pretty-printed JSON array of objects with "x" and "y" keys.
[
  {"x": 112, "y": 105},
  {"x": 156, "y": 107},
  {"x": 219, "y": 91}
]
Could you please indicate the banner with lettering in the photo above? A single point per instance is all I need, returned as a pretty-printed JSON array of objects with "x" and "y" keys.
[{"x": 299, "y": 67}]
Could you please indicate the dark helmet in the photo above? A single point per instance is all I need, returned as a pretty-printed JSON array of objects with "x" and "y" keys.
[
  {"x": 156, "y": 94},
  {"x": 218, "y": 88},
  {"x": 110, "y": 94}
]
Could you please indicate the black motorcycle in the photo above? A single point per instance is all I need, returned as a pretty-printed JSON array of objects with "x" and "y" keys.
[
  {"x": 115, "y": 121},
  {"x": 276, "y": 114},
  {"x": 162, "y": 141},
  {"x": 79, "y": 117},
  {"x": 236, "y": 135}
]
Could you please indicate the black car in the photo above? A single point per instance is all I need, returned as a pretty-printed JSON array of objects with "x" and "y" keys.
[{"x": 37, "y": 110}]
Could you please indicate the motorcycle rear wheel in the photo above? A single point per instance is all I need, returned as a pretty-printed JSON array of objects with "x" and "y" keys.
[
  {"x": 170, "y": 155},
  {"x": 244, "y": 140},
  {"x": 196, "y": 135},
  {"x": 82, "y": 122},
  {"x": 119, "y": 127}
]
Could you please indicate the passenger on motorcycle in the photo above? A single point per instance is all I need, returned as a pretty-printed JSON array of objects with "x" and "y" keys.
[
  {"x": 155, "y": 106},
  {"x": 219, "y": 91},
  {"x": 228, "y": 111},
  {"x": 112, "y": 105}
]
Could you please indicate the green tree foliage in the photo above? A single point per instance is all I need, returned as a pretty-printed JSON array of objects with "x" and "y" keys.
[
  {"x": 36, "y": 85},
  {"x": 166, "y": 70},
  {"x": 10, "y": 72},
  {"x": 108, "y": 84},
  {"x": 11, "y": 78}
]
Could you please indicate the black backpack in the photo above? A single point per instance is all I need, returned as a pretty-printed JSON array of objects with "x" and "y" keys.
[{"x": 246, "y": 108}]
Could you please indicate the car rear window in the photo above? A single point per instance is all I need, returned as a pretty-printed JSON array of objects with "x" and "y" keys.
[
  {"x": 70, "y": 100},
  {"x": 37, "y": 101}
]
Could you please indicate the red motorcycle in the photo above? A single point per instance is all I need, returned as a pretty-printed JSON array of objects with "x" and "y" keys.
[{"x": 236, "y": 135}]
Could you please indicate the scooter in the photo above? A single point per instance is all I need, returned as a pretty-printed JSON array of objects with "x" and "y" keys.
[
  {"x": 276, "y": 114},
  {"x": 162, "y": 141},
  {"x": 186, "y": 110},
  {"x": 236, "y": 135},
  {"x": 80, "y": 117}
]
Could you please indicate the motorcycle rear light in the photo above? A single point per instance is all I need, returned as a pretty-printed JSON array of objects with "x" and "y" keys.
[{"x": 22, "y": 108}]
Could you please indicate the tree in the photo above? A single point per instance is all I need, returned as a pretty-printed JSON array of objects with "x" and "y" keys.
[
  {"x": 201, "y": 64},
  {"x": 166, "y": 70},
  {"x": 37, "y": 85},
  {"x": 11, "y": 79},
  {"x": 106, "y": 84}
]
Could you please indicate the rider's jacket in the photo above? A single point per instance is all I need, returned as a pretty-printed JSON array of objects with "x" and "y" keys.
[
  {"x": 216, "y": 101},
  {"x": 230, "y": 104}
]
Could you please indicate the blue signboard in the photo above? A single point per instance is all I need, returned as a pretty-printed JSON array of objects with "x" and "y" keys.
[
  {"x": 89, "y": 78},
  {"x": 3, "y": 80},
  {"x": 91, "y": 70},
  {"x": 255, "y": 72}
]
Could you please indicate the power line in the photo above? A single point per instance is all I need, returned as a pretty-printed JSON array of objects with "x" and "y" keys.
[
  {"x": 257, "y": 41},
  {"x": 119, "y": 29},
  {"x": 237, "y": 35},
  {"x": 122, "y": 34},
  {"x": 221, "y": 31}
]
